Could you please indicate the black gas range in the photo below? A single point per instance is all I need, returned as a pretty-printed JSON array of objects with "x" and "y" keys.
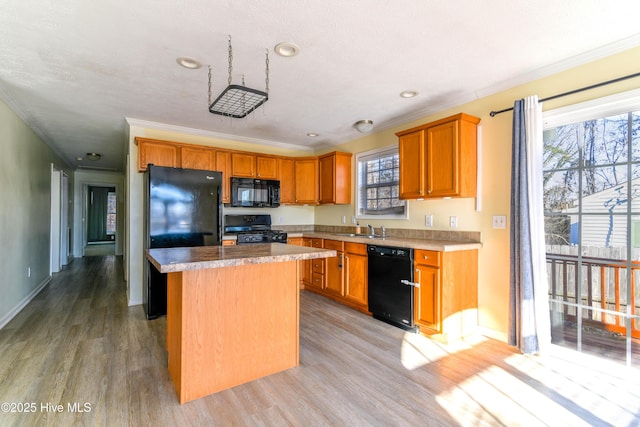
[{"x": 253, "y": 229}]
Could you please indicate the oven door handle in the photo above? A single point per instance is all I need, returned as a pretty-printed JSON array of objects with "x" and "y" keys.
[{"x": 408, "y": 283}]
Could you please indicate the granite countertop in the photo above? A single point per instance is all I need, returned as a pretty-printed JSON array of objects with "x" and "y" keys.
[
  {"x": 169, "y": 260},
  {"x": 404, "y": 242}
]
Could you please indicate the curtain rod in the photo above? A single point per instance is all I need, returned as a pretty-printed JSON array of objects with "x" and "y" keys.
[{"x": 630, "y": 76}]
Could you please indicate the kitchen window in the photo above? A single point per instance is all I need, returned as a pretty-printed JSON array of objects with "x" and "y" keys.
[{"x": 378, "y": 175}]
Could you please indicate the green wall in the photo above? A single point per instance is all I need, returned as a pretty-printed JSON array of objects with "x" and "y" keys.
[{"x": 25, "y": 204}]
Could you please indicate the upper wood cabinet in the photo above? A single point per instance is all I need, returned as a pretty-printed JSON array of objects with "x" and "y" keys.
[
  {"x": 335, "y": 178},
  {"x": 249, "y": 165},
  {"x": 306, "y": 175},
  {"x": 157, "y": 153},
  {"x": 266, "y": 167},
  {"x": 223, "y": 164},
  {"x": 439, "y": 159},
  {"x": 194, "y": 157},
  {"x": 286, "y": 175}
]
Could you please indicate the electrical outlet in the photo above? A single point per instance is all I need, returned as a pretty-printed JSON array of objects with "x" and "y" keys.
[
  {"x": 344, "y": 219},
  {"x": 353, "y": 220},
  {"x": 499, "y": 221},
  {"x": 280, "y": 219},
  {"x": 453, "y": 221},
  {"x": 428, "y": 220}
]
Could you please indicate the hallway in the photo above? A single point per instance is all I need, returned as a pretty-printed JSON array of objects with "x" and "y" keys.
[{"x": 80, "y": 346}]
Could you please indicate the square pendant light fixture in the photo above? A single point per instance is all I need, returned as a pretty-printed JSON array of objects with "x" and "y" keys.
[{"x": 238, "y": 101}]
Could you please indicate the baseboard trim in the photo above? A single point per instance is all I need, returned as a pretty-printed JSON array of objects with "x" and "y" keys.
[
  {"x": 26, "y": 300},
  {"x": 492, "y": 333}
]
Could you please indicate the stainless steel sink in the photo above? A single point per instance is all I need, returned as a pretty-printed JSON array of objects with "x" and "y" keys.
[{"x": 366, "y": 236}]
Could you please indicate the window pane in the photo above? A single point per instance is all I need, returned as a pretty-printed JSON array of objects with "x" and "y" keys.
[
  {"x": 605, "y": 141},
  {"x": 378, "y": 185},
  {"x": 560, "y": 190},
  {"x": 635, "y": 136},
  {"x": 561, "y": 147}
]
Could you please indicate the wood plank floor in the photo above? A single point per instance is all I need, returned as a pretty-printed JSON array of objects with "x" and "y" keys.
[{"x": 79, "y": 344}]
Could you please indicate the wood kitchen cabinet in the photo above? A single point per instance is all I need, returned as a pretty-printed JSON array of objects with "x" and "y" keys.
[
  {"x": 194, "y": 157},
  {"x": 223, "y": 164},
  {"x": 306, "y": 180},
  {"x": 446, "y": 298},
  {"x": 157, "y": 153},
  {"x": 355, "y": 287},
  {"x": 439, "y": 159},
  {"x": 248, "y": 165},
  {"x": 335, "y": 178},
  {"x": 286, "y": 175},
  {"x": 335, "y": 269},
  {"x": 345, "y": 275}
]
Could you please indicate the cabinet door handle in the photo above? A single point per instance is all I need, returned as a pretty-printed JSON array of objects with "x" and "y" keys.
[
  {"x": 340, "y": 261},
  {"x": 419, "y": 279}
]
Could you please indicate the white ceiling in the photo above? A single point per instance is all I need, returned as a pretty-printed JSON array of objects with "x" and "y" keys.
[{"x": 74, "y": 70}]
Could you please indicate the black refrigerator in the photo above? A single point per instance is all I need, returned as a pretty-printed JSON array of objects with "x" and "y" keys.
[{"x": 183, "y": 208}]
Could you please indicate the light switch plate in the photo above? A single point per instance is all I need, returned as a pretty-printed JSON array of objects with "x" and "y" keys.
[
  {"x": 499, "y": 221},
  {"x": 453, "y": 221}
]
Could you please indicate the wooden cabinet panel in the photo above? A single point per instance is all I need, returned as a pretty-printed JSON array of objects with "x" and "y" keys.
[
  {"x": 266, "y": 167},
  {"x": 335, "y": 178},
  {"x": 439, "y": 159},
  {"x": 446, "y": 300},
  {"x": 356, "y": 280},
  {"x": 223, "y": 164},
  {"x": 427, "y": 298},
  {"x": 197, "y": 158},
  {"x": 243, "y": 165},
  {"x": 411, "y": 150},
  {"x": 228, "y": 243},
  {"x": 297, "y": 241},
  {"x": 306, "y": 176},
  {"x": 305, "y": 266},
  {"x": 442, "y": 160},
  {"x": 286, "y": 175},
  {"x": 334, "y": 269},
  {"x": 158, "y": 153}
]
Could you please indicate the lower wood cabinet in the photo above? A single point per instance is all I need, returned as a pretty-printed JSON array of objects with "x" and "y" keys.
[
  {"x": 446, "y": 298},
  {"x": 344, "y": 278},
  {"x": 356, "y": 285}
]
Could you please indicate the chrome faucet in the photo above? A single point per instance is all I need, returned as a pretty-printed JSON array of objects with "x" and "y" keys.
[{"x": 371, "y": 229}]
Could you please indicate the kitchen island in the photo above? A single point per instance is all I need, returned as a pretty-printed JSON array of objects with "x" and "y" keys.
[{"x": 232, "y": 313}]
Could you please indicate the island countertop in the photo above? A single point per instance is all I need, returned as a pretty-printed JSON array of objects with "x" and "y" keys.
[{"x": 169, "y": 260}]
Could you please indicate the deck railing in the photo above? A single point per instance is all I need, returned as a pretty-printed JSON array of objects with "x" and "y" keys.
[{"x": 603, "y": 290}]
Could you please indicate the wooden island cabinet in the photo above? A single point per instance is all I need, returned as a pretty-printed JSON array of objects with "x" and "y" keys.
[{"x": 229, "y": 320}]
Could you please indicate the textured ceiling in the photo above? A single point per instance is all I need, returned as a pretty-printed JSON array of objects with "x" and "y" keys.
[{"x": 74, "y": 69}]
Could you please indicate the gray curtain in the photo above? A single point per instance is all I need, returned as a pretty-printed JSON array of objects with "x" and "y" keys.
[{"x": 528, "y": 317}]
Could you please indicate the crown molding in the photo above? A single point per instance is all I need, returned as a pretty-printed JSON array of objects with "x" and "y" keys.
[{"x": 211, "y": 134}]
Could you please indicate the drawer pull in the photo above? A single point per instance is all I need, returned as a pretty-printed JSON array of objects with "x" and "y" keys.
[{"x": 425, "y": 257}]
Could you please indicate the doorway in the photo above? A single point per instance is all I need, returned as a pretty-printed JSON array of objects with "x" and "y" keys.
[{"x": 101, "y": 220}]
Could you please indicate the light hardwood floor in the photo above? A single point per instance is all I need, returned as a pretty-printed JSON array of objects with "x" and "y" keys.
[{"x": 78, "y": 343}]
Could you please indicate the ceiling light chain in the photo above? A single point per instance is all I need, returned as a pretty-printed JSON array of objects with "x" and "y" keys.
[
  {"x": 230, "y": 61},
  {"x": 209, "y": 103},
  {"x": 266, "y": 79}
]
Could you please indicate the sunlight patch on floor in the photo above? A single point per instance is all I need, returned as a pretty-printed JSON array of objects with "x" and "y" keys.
[{"x": 418, "y": 350}]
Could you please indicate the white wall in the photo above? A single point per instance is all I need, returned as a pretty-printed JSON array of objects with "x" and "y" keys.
[{"x": 25, "y": 191}]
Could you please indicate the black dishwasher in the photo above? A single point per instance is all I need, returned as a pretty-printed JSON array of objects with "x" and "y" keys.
[{"x": 391, "y": 285}]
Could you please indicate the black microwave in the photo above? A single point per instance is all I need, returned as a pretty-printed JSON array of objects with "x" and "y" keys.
[{"x": 255, "y": 193}]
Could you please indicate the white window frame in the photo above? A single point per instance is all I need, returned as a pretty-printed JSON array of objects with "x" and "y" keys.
[{"x": 369, "y": 155}]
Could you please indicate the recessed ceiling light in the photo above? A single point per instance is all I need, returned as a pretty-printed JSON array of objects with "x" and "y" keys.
[
  {"x": 187, "y": 62},
  {"x": 408, "y": 93},
  {"x": 286, "y": 49},
  {"x": 79, "y": 158},
  {"x": 312, "y": 134}
]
